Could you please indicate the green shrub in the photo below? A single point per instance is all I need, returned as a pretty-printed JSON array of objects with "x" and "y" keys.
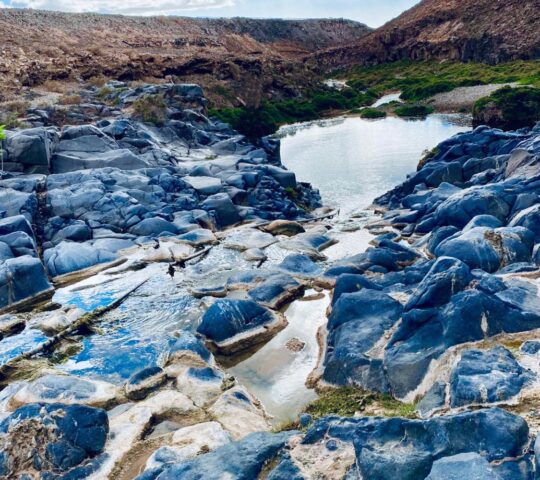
[
  {"x": 426, "y": 89},
  {"x": 10, "y": 120},
  {"x": 104, "y": 92},
  {"x": 413, "y": 111},
  {"x": 346, "y": 401},
  {"x": 371, "y": 113},
  {"x": 420, "y": 80},
  {"x": 357, "y": 84},
  {"x": 3, "y": 136},
  {"x": 509, "y": 108},
  {"x": 267, "y": 119},
  {"x": 151, "y": 109}
]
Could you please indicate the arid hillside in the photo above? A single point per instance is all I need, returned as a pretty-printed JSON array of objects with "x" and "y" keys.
[
  {"x": 227, "y": 56},
  {"x": 489, "y": 31}
]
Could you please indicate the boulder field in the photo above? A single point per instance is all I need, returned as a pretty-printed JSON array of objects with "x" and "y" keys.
[
  {"x": 442, "y": 311},
  {"x": 73, "y": 197}
]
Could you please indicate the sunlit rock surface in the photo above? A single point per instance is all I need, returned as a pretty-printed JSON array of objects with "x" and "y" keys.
[{"x": 164, "y": 246}]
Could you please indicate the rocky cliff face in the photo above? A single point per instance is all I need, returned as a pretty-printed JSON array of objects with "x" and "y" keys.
[
  {"x": 462, "y": 30},
  {"x": 216, "y": 53}
]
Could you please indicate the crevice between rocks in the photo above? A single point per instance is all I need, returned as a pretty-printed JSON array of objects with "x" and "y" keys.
[{"x": 41, "y": 216}]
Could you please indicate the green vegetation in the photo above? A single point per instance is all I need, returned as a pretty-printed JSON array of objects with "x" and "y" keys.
[
  {"x": 416, "y": 80},
  {"x": 420, "y": 80},
  {"x": 10, "y": 112},
  {"x": 265, "y": 120},
  {"x": 10, "y": 120},
  {"x": 371, "y": 113},
  {"x": 509, "y": 108},
  {"x": 151, "y": 109},
  {"x": 346, "y": 401},
  {"x": 104, "y": 92},
  {"x": 415, "y": 110},
  {"x": 2, "y": 138}
]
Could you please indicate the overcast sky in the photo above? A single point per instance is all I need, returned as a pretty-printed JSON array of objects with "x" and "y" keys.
[{"x": 372, "y": 12}]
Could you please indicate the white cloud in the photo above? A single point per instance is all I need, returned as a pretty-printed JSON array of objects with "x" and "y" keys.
[{"x": 126, "y": 7}]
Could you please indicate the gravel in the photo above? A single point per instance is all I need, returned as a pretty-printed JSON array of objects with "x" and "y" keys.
[{"x": 464, "y": 97}]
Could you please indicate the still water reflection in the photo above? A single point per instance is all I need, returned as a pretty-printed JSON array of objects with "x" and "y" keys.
[{"x": 352, "y": 160}]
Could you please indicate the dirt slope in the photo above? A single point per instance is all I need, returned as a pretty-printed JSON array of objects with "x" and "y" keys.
[
  {"x": 230, "y": 54},
  {"x": 489, "y": 31}
]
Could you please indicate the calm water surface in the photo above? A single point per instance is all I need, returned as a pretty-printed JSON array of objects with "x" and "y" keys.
[{"x": 352, "y": 160}]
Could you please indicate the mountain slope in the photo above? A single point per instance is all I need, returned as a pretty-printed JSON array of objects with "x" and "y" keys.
[
  {"x": 489, "y": 31},
  {"x": 36, "y": 46}
]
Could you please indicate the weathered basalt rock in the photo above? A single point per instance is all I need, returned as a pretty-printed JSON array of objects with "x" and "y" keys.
[
  {"x": 232, "y": 325},
  {"x": 415, "y": 449},
  {"x": 486, "y": 377},
  {"x": 51, "y": 439},
  {"x": 472, "y": 230},
  {"x": 243, "y": 460},
  {"x": 121, "y": 183}
]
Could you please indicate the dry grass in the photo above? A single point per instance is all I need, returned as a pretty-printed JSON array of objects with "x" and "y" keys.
[
  {"x": 95, "y": 50},
  {"x": 98, "y": 81},
  {"x": 70, "y": 99},
  {"x": 55, "y": 86},
  {"x": 151, "y": 109},
  {"x": 17, "y": 106}
]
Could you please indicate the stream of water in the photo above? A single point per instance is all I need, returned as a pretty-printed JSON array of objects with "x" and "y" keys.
[{"x": 351, "y": 161}]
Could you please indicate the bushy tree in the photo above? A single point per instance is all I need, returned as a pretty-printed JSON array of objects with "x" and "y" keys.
[{"x": 509, "y": 108}]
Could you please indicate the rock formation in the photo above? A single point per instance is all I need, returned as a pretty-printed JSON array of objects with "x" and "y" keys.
[{"x": 459, "y": 30}]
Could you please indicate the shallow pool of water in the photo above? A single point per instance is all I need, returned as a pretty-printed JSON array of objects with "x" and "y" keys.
[
  {"x": 353, "y": 160},
  {"x": 277, "y": 373}
]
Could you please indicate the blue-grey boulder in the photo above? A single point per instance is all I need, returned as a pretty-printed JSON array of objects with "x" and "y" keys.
[
  {"x": 63, "y": 437},
  {"x": 482, "y": 377},
  {"x": 242, "y": 460},
  {"x": 70, "y": 257},
  {"x": 226, "y": 319},
  {"x": 462, "y": 466},
  {"x": 357, "y": 322},
  {"x": 22, "y": 278}
]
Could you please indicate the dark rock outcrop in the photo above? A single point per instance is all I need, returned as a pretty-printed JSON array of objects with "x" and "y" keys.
[
  {"x": 51, "y": 440},
  {"x": 475, "y": 230},
  {"x": 243, "y": 460},
  {"x": 108, "y": 186}
]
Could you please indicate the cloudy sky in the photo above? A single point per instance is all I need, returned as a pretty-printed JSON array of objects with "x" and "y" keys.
[{"x": 372, "y": 12}]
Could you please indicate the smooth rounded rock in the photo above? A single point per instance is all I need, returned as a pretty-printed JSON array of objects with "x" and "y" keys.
[{"x": 144, "y": 382}]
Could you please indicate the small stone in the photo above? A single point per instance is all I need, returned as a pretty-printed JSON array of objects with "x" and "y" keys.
[
  {"x": 331, "y": 445},
  {"x": 305, "y": 420},
  {"x": 284, "y": 227},
  {"x": 295, "y": 345},
  {"x": 531, "y": 347}
]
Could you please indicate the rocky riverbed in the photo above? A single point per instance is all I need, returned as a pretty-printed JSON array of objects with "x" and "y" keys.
[{"x": 172, "y": 294}]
